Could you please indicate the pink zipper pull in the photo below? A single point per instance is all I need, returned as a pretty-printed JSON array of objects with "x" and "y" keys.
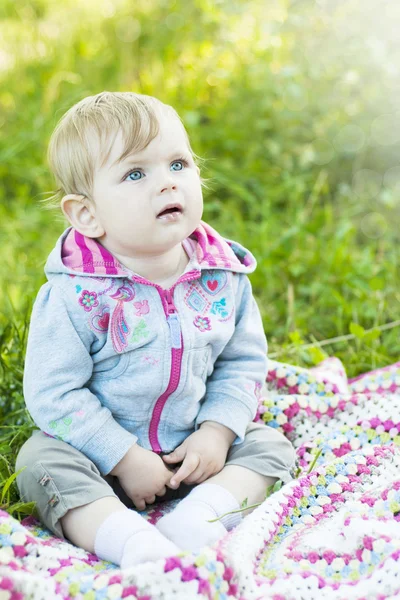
[{"x": 170, "y": 302}]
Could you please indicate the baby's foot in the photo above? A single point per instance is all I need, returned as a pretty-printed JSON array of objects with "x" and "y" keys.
[
  {"x": 147, "y": 545},
  {"x": 188, "y": 526}
]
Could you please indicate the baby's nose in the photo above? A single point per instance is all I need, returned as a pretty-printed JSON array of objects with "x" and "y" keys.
[{"x": 168, "y": 185}]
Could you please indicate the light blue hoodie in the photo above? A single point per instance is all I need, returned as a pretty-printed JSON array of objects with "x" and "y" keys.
[{"x": 113, "y": 359}]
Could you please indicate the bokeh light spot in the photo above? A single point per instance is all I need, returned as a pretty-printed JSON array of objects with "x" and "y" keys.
[
  {"x": 127, "y": 29},
  {"x": 373, "y": 225},
  {"x": 367, "y": 183},
  {"x": 391, "y": 180},
  {"x": 212, "y": 79},
  {"x": 174, "y": 21},
  {"x": 385, "y": 129},
  {"x": 350, "y": 138},
  {"x": 322, "y": 151},
  {"x": 108, "y": 10},
  {"x": 295, "y": 97}
]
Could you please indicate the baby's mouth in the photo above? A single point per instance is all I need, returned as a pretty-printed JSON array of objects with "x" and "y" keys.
[{"x": 172, "y": 211}]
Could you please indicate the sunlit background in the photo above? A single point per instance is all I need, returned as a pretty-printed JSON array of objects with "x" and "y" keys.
[{"x": 294, "y": 105}]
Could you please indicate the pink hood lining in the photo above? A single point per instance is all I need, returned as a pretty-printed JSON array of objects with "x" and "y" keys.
[{"x": 87, "y": 256}]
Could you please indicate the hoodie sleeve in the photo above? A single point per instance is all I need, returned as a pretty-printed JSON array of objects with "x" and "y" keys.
[
  {"x": 240, "y": 370},
  {"x": 58, "y": 366}
]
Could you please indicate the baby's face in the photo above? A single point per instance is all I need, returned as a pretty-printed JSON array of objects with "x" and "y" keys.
[{"x": 152, "y": 200}]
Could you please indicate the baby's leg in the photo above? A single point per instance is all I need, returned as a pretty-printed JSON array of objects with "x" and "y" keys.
[
  {"x": 107, "y": 528},
  {"x": 75, "y": 502},
  {"x": 265, "y": 457},
  {"x": 244, "y": 484},
  {"x": 81, "y": 524},
  {"x": 252, "y": 467}
]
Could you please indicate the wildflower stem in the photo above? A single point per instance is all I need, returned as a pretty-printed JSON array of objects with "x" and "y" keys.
[
  {"x": 316, "y": 457},
  {"x": 231, "y": 512}
]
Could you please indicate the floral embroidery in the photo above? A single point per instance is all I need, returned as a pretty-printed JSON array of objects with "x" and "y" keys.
[
  {"x": 99, "y": 321},
  {"x": 140, "y": 332},
  {"x": 78, "y": 288},
  {"x": 88, "y": 300},
  {"x": 142, "y": 308},
  {"x": 61, "y": 427},
  {"x": 202, "y": 323}
]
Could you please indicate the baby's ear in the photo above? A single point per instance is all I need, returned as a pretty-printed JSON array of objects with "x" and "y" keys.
[{"x": 81, "y": 213}]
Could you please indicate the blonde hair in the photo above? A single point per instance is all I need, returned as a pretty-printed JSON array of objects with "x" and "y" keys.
[{"x": 71, "y": 155}]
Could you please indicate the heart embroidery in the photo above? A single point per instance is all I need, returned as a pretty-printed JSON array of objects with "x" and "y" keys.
[
  {"x": 213, "y": 281},
  {"x": 101, "y": 319}
]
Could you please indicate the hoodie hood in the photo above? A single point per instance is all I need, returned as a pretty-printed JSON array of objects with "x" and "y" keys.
[{"x": 76, "y": 254}]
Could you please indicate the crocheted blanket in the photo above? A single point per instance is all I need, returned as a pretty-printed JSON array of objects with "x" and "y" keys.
[{"x": 332, "y": 533}]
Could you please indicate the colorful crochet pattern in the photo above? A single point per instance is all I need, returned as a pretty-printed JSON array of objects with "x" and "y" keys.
[{"x": 331, "y": 533}]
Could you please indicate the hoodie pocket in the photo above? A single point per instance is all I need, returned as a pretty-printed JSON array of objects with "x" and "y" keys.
[
  {"x": 198, "y": 362},
  {"x": 110, "y": 368},
  {"x": 130, "y": 391}
]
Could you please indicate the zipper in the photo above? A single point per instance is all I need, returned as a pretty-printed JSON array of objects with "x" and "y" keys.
[
  {"x": 176, "y": 352},
  {"x": 175, "y": 373}
]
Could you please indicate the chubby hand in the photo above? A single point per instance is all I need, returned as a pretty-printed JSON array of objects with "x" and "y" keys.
[
  {"x": 203, "y": 454},
  {"x": 142, "y": 475}
]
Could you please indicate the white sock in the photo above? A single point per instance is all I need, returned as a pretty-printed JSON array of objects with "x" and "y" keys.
[
  {"x": 187, "y": 525},
  {"x": 126, "y": 539}
]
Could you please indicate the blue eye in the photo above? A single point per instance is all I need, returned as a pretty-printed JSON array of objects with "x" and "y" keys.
[
  {"x": 179, "y": 163},
  {"x": 132, "y": 175}
]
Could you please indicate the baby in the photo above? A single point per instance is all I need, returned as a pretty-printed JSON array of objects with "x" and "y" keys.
[{"x": 146, "y": 352}]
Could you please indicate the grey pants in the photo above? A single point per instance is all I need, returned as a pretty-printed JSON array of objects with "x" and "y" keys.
[{"x": 59, "y": 478}]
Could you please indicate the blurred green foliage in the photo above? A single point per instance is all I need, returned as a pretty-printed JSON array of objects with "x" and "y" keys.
[{"x": 293, "y": 105}]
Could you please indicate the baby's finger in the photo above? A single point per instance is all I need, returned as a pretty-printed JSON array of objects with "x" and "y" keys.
[
  {"x": 139, "y": 504},
  {"x": 162, "y": 491},
  {"x": 172, "y": 486},
  {"x": 196, "y": 476},
  {"x": 150, "y": 499},
  {"x": 189, "y": 465},
  {"x": 176, "y": 456}
]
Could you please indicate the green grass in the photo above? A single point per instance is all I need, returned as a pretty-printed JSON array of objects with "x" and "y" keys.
[{"x": 294, "y": 113}]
